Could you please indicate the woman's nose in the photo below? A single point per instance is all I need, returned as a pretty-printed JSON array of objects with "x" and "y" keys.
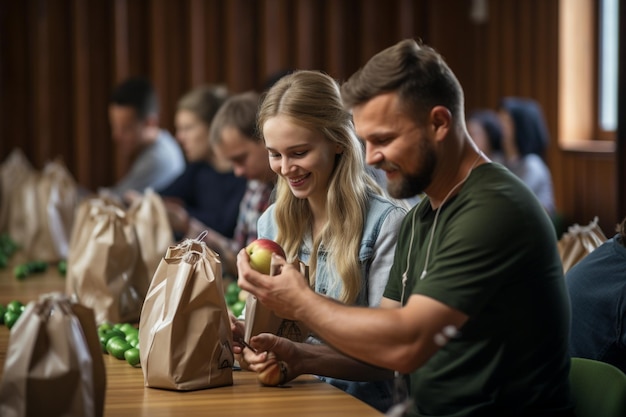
[{"x": 285, "y": 166}]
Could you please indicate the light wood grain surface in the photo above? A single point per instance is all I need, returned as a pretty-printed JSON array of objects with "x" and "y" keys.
[{"x": 127, "y": 396}]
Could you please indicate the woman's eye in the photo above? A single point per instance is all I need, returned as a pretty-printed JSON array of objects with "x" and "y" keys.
[{"x": 299, "y": 154}]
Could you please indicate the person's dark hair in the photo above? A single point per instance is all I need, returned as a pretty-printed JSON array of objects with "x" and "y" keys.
[
  {"x": 490, "y": 121},
  {"x": 621, "y": 229},
  {"x": 204, "y": 101},
  {"x": 417, "y": 72},
  {"x": 238, "y": 111},
  {"x": 531, "y": 132},
  {"x": 137, "y": 93}
]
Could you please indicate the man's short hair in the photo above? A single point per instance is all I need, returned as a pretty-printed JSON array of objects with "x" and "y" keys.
[{"x": 138, "y": 93}]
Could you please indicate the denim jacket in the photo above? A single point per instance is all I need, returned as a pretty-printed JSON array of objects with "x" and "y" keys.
[{"x": 376, "y": 254}]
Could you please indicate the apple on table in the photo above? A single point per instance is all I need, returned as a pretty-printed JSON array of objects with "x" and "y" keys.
[{"x": 260, "y": 252}]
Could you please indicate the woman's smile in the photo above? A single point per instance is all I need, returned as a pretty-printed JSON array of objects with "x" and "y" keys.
[{"x": 298, "y": 181}]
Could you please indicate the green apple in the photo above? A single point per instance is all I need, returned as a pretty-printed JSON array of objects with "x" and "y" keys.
[{"x": 260, "y": 252}]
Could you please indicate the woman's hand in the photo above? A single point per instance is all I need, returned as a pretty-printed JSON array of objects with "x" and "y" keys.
[{"x": 274, "y": 358}]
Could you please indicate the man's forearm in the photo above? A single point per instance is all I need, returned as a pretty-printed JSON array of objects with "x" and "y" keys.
[{"x": 323, "y": 360}]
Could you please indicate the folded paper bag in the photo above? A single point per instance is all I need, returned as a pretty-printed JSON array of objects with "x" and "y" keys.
[
  {"x": 54, "y": 364},
  {"x": 578, "y": 242},
  {"x": 105, "y": 268},
  {"x": 154, "y": 233},
  {"x": 260, "y": 319},
  {"x": 184, "y": 331}
]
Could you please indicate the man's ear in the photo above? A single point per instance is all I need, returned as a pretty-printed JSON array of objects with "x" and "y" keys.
[
  {"x": 440, "y": 120},
  {"x": 150, "y": 128},
  {"x": 152, "y": 120}
]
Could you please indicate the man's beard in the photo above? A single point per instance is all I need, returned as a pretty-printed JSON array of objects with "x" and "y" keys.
[{"x": 414, "y": 183}]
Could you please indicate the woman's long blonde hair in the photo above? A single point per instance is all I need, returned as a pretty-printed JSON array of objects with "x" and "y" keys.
[{"x": 312, "y": 100}]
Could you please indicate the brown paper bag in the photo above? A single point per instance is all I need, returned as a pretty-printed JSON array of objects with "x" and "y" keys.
[
  {"x": 260, "y": 319},
  {"x": 578, "y": 242},
  {"x": 23, "y": 211},
  {"x": 153, "y": 228},
  {"x": 104, "y": 266},
  {"x": 184, "y": 332},
  {"x": 54, "y": 364},
  {"x": 57, "y": 199},
  {"x": 15, "y": 169}
]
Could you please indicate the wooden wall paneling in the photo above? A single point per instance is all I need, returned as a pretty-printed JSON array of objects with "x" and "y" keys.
[
  {"x": 52, "y": 79},
  {"x": 478, "y": 41},
  {"x": 405, "y": 17},
  {"x": 600, "y": 198},
  {"x": 378, "y": 28},
  {"x": 121, "y": 57},
  {"x": 508, "y": 35},
  {"x": 605, "y": 197},
  {"x": 544, "y": 82},
  {"x": 310, "y": 34},
  {"x": 139, "y": 36},
  {"x": 81, "y": 109},
  {"x": 166, "y": 57},
  {"x": 61, "y": 82},
  {"x": 352, "y": 37},
  {"x": 568, "y": 170},
  {"x": 121, "y": 39},
  {"x": 277, "y": 34},
  {"x": 101, "y": 73},
  {"x": 88, "y": 148},
  {"x": 528, "y": 48},
  {"x": 197, "y": 37},
  {"x": 16, "y": 124},
  {"x": 342, "y": 57},
  {"x": 334, "y": 50},
  {"x": 213, "y": 51},
  {"x": 492, "y": 73},
  {"x": 587, "y": 191},
  {"x": 457, "y": 50},
  {"x": 241, "y": 54},
  {"x": 41, "y": 80},
  {"x": 423, "y": 20},
  {"x": 59, "y": 68}
]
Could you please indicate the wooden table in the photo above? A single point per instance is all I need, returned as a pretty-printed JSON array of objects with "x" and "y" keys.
[{"x": 127, "y": 396}]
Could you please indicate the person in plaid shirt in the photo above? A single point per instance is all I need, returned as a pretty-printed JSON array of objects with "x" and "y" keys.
[{"x": 233, "y": 135}]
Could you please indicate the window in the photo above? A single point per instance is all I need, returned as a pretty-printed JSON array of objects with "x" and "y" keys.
[
  {"x": 608, "y": 42},
  {"x": 588, "y": 35}
]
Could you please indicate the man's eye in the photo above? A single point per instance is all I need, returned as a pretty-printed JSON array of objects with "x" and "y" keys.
[{"x": 383, "y": 141}]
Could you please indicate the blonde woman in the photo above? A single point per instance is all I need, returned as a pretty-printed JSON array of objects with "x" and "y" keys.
[{"x": 328, "y": 213}]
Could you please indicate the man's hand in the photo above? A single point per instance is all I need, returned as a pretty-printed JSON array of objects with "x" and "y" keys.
[
  {"x": 269, "y": 351},
  {"x": 283, "y": 293}
]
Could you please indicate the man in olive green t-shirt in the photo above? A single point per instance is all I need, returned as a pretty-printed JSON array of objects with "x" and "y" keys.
[{"x": 475, "y": 310}]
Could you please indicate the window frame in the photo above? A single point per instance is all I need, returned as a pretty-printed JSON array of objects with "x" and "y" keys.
[{"x": 579, "y": 88}]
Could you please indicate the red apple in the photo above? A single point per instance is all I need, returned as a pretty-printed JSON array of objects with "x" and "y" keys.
[
  {"x": 271, "y": 376},
  {"x": 260, "y": 252}
]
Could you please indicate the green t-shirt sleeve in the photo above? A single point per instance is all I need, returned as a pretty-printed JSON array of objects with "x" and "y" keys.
[{"x": 479, "y": 247}]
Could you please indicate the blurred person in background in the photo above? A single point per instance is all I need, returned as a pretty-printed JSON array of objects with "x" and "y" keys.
[
  {"x": 234, "y": 136},
  {"x": 207, "y": 194},
  {"x": 154, "y": 157},
  {"x": 597, "y": 290},
  {"x": 485, "y": 128},
  {"x": 524, "y": 141}
]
